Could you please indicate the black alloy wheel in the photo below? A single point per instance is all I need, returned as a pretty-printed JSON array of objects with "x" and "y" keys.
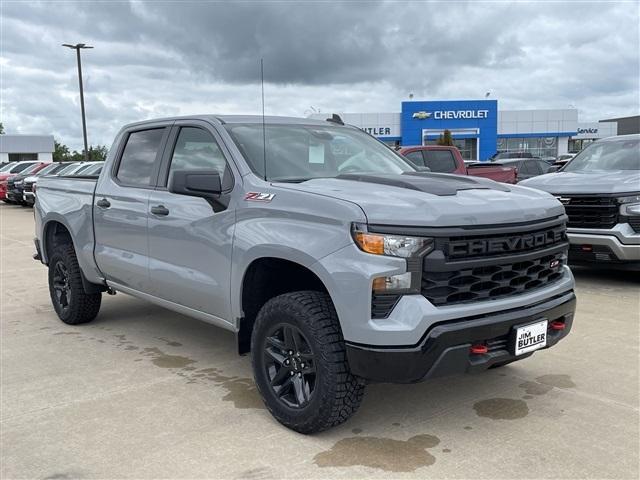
[
  {"x": 62, "y": 287},
  {"x": 290, "y": 365}
]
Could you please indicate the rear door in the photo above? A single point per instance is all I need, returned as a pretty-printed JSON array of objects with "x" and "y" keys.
[
  {"x": 121, "y": 206},
  {"x": 190, "y": 239}
]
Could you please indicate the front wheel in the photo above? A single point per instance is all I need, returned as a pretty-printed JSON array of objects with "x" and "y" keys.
[
  {"x": 72, "y": 304},
  {"x": 300, "y": 365}
]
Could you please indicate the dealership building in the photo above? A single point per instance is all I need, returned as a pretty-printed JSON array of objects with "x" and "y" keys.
[
  {"x": 17, "y": 148},
  {"x": 479, "y": 129}
]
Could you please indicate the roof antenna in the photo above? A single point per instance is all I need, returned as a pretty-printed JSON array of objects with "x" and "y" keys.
[{"x": 264, "y": 134}]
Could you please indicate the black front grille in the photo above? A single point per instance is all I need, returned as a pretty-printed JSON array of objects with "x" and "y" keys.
[
  {"x": 590, "y": 211},
  {"x": 635, "y": 223},
  {"x": 28, "y": 187},
  {"x": 492, "y": 281}
]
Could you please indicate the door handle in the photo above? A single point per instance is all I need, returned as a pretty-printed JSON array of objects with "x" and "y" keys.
[
  {"x": 160, "y": 210},
  {"x": 103, "y": 203}
]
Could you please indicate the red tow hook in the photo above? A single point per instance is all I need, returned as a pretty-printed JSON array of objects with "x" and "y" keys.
[
  {"x": 479, "y": 349},
  {"x": 557, "y": 325}
]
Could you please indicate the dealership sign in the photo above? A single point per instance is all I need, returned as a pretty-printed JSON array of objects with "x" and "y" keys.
[{"x": 452, "y": 114}]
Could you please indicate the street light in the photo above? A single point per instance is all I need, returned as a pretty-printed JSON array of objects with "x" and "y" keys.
[{"x": 77, "y": 47}]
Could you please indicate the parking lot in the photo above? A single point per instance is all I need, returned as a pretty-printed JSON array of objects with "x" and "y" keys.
[{"x": 146, "y": 393}]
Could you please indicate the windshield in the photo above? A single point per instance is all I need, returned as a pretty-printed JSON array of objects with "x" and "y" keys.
[
  {"x": 48, "y": 168},
  {"x": 302, "y": 152},
  {"x": 31, "y": 168},
  {"x": 69, "y": 169},
  {"x": 612, "y": 155},
  {"x": 7, "y": 167}
]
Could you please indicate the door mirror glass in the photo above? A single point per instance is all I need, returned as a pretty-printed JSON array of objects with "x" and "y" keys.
[
  {"x": 196, "y": 183},
  {"x": 553, "y": 168}
]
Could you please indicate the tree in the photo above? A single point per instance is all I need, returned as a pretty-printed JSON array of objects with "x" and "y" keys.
[
  {"x": 1, "y": 129},
  {"x": 62, "y": 153},
  {"x": 446, "y": 139}
]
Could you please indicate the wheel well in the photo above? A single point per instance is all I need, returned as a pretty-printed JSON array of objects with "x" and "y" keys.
[
  {"x": 55, "y": 234},
  {"x": 267, "y": 278}
]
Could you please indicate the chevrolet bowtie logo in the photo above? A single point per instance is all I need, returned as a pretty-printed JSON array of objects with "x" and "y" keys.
[{"x": 421, "y": 115}]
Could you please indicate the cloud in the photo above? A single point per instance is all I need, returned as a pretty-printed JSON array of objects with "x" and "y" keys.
[{"x": 164, "y": 58}]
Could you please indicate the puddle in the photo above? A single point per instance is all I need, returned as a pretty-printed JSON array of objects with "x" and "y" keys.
[
  {"x": 501, "y": 408},
  {"x": 170, "y": 343},
  {"x": 381, "y": 453},
  {"x": 164, "y": 360},
  {"x": 446, "y": 450},
  {"x": 356, "y": 431},
  {"x": 468, "y": 428},
  {"x": 535, "y": 388},
  {"x": 242, "y": 391},
  {"x": 559, "y": 381}
]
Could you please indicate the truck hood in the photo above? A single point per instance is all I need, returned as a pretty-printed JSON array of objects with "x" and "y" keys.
[
  {"x": 595, "y": 181},
  {"x": 453, "y": 201}
]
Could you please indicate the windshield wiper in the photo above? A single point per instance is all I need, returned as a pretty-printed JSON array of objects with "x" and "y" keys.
[{"x": 291, "y": 179}]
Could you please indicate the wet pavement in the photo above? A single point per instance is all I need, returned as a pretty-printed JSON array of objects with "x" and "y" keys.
[{"x": 142, "y": 392}]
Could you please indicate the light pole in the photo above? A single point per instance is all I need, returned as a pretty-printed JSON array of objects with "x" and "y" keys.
[{"x": 77, "y": 47}]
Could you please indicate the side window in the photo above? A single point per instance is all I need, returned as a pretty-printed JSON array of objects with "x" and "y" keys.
[
  {"x": 529, "y": 168},
  {"x": 196, "y": 149},
  {"x": 543, "y": 166},
  {"x": 139, "y": 156},
  {"x": 416, "y": 158},
  {"x": 440, "y": 161}
]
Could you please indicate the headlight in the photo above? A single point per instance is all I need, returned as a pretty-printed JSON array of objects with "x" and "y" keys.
[
  {"x": 629, "y": 205},
  {"x": 17, "y": 183},
  {"x": 391, "y": 245}
]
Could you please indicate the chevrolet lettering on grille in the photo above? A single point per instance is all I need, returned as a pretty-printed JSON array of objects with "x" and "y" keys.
[{"x": 507, "y": 244}]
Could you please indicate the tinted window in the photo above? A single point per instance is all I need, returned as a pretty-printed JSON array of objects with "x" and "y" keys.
[
  {"x": 440, "y": 161},
  {"x": 416, "y": 158},
  {"x": 196, "y": 149},
  {"x": 543, "y": 166},
  {"x": 529, "y": 168},
  {"x": 20, "y": 167},
  {"x": 138, "y": 158}
]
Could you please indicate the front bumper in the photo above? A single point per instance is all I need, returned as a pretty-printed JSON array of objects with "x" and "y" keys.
[
  {"x": 445, "y": 347},
  {"x": 14, "y": 195},
  {"x": 619, "y": 244},
  {"x": 29, "y": 198}
]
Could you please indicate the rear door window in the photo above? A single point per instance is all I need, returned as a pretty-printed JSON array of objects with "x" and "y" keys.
[
  {"x": 416, "y": 158},
  {"x": 139, "y": 157},
  {"x": 440, "y": 161}
]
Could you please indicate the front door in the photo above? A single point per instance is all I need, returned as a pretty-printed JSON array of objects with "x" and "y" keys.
[
  {"x": 189, "y": 238},
  {"x": 121, "y": 206}
]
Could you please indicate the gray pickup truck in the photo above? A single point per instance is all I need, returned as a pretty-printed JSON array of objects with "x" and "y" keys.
[
  {"x": 600, "y": 191},
  {"x": 333, "y": 260}
]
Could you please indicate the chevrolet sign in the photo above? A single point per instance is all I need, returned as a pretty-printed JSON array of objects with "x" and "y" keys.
[
  {"x": 452, "y": 114},
  {"x": 421, "y": 115}
]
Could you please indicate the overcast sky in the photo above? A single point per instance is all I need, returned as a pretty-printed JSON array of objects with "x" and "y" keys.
[{"x": 166, "y": 58}]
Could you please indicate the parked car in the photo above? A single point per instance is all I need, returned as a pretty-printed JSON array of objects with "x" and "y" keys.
[
  {"x": 11, "y": 170},
  {"x": 15, "y": 184},
  {"x": 563, "y": 159},
  {"x": 29, "y": 183},
  {"x": 89, "y": 168},
  {"x": 333, "y": 260},
  {"x": 600, "y": 190},
  {"x": 443, "y": 159},
  {"x": 499, "y": 156},
  {"x": 527, "y": 167}
]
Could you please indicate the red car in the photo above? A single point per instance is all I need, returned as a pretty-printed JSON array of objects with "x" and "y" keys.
[
  {"x": 31, "y": 166},
  {"x": 441, "y": 159}
]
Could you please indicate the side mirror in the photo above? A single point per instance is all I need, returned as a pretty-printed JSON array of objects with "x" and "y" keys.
[
  {"x": 196, "y": 183},
  {"x": 422, "y": 169},
  {"x": 553, "y": 168}
]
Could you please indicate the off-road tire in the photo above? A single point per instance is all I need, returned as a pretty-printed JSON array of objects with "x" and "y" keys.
[
  {"x": 82, "y": 307},
  {"x": 338, "y": 393}
]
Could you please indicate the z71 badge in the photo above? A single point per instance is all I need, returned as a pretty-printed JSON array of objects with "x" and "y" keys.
[{"x": 259, "y": 197}]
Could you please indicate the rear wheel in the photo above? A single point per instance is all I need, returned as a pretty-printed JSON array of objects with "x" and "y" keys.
[
  {"x": 300, "y": 364},
  {"x": 69, "y": 299}
]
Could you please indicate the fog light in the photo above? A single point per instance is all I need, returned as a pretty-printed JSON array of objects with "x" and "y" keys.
[{"x": 394, "y": 282}]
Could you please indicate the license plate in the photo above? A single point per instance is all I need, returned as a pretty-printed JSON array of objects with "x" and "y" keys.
[{"x": 531, "y": 337}]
